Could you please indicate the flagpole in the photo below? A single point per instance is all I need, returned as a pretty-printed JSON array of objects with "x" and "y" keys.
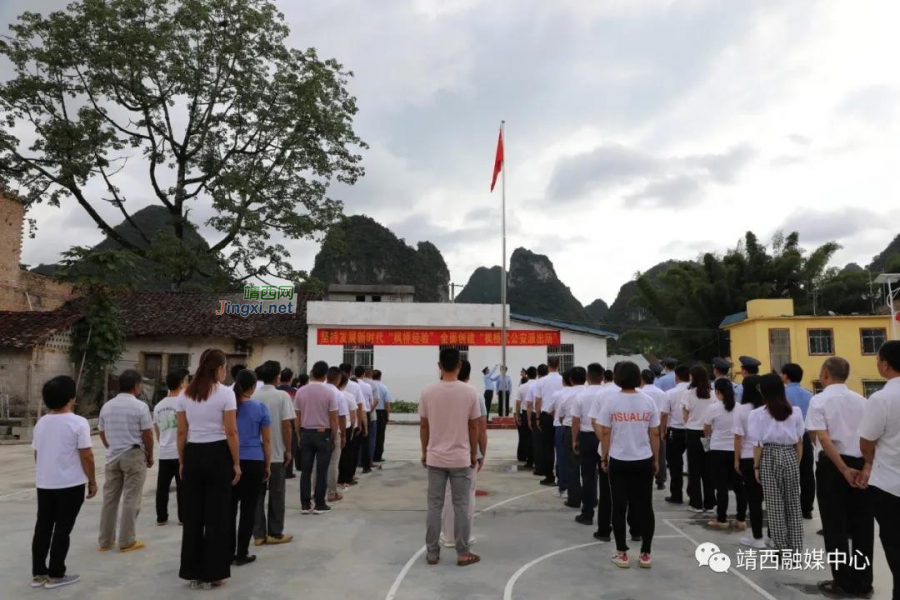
[{"x": 504, "y": 370}]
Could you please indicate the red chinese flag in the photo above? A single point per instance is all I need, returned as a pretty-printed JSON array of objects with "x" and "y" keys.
[{"x": 498, "y": 161}]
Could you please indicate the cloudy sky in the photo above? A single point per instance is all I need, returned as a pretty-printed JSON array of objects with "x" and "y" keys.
[{"x": 637, "y": 130}]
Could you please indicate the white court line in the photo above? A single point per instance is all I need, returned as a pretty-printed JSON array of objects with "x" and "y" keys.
[
  {"x": 733, "y": 571},
  {"x": 19, "y": 493},
  {"x": 392, "y": 593}
]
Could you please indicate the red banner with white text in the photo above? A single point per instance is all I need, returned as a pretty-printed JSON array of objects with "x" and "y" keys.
[{"x": 436, "y": 337}]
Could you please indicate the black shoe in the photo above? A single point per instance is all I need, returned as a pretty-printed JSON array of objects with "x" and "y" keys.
[
  {"x": 321, "y": 509},
  {"x": 584, "y": 520},
  {"x": 548, "y": 482},
  {"x": 528, "y": 465},
  {"x": 661, "y": 485},
  {"x": 366, "y": 471},
  {"x": 290, "y": 476},
  {"x": 576, "y": 505},
  {"x": 820, "y": 532},
  {"x": 808, "y": 515},
  {"x": 636, "y": 538},
  {"x": 602, "y": 538},
  {"x": 672, "y": 500},
  {"x": 240, "y": 561},
  {"x": 537, "y": 473}
]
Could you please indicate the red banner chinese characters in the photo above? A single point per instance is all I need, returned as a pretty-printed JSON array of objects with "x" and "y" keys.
[{"x": 435, "y": 337}]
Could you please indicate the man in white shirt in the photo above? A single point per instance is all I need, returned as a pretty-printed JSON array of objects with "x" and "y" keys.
[
  {"x": 361, "y": 435},
  {"x": 165, "y": 423},
  {"x": 548, "y": 384},
  {"x": 126, "y": 430},
  {"x": 833, "y": 419},
  {"x": 364, "y": 379},
  {"x": 566, "y": 417},
  {"x": 672, "y": 422},
  {"x": 269, "y": 529},
  {"x": 586, "y": 444},
  {"x": 880, "y": 444},
  {"x": 658, "y": 396},
  {"x": 525, "y": 451}
]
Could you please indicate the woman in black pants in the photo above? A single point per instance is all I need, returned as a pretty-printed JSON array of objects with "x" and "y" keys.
[
  {"x": 210, "y": 466},
  {"x": 254, "y": 431},
  {"x": 743, "y": 461},
  {"x": 719, "y": 428},
  {"x": 629, "y": 438},
  {"x": 696, "y": 400}
]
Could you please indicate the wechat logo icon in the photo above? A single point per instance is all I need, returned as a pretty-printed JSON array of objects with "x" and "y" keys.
[{"x": 709, "y": 555}]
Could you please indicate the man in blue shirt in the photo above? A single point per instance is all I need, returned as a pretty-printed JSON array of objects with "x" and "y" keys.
[
  {"x": 503, "y": 384},
  {"x": 488, "y": 388},
  {"x": 792, "y": 375},
  {"x": 383, "y": 410},
  {"x": 667, "y": 381}
]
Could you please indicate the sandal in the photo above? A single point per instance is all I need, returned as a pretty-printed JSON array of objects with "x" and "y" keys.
[
  {"x": 466, "y": 560},
  {"x": 432, "y": 560}
]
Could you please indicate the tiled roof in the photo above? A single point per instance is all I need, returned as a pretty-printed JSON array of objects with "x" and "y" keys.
[
  {"x": 732, "y": 319},
  {"x": 194, "y": 314},
  {"x": 25, "y": 329},
  {"x": 561, "y": 325}
]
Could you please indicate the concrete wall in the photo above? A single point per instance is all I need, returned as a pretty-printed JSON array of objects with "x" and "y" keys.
[
  {"x": 751, "y": 338},
  {"x": 407, "y": 369},
  {"x": 23, "y": 372},
  {"x": 20, "y": 289}
]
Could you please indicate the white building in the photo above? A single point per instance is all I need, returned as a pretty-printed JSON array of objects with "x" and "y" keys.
[{"x": 403, "y": 340}]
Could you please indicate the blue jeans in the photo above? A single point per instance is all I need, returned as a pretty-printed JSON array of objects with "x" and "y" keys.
[{"x": 561, "y": 474}]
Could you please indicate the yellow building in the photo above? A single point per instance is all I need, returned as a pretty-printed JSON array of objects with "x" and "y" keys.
[{"x": 770, "y": 332}]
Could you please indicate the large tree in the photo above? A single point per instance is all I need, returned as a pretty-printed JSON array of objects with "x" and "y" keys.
[{"x": 195, "y": 105}]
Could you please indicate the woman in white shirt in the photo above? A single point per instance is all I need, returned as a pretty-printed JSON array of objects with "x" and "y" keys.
[
  {"x": 628, "y": 426},
  {"x": 777, "y": 431},
  {"x": 525, "y": 450},
  {"x": 701, "y": 488},
  {"x": 210, "y": 465},
  {"x": 718, "y": 427},
  {"x": 751, "y": 399}
]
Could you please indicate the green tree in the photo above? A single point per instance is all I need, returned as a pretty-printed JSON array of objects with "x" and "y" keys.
[{"x": 231, "y": 128}]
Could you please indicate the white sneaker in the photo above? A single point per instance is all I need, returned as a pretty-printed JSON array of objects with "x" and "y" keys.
[
  {"x": 472, "y": 541},
  {"x": 695, "y": 510},
  {"x": 751, "y": 542}
]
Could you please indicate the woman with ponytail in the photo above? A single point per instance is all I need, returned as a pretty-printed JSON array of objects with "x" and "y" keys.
[
  {"x": 210, "y": 465},
  {"x": 254, "y": 431},
  {"x": 718, "y": 426}
]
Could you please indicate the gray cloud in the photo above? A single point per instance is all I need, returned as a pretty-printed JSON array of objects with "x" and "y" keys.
[
  {"x": 787, "y": 161},
  {"x": 661, "y": 181},
  {"x": 800, "y": 139},
  {"x": 819, "y": 227},
  {"x": 875, "y": 104}
]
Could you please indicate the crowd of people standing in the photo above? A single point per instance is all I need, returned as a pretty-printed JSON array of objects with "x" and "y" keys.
[
  {"x": 228, "y": 448},
  {"x": 604, "y": 437}
]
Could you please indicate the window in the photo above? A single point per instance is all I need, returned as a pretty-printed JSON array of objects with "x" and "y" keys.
[
  {"x": 152, "y": 366},
  {"x": 779, "y": 348},
  {"x": 872, "y": 340},
  {"x": 566, "y": 355},
  {"x": 376, "y": 298},
  {"x": 817, "y": 387},
  {"x": 360, "y": 298},
  {"x": 360, "y": 355},
  {"x": 870, "y": 387},
  {"x": 821, "y": 342},
  {"x": 179, "y": 361},
  {"x": 463, "y": 350}
]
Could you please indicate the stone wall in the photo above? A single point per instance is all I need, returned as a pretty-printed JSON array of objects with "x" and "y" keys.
[
  {"x": 23, "y": 372},
  {"x": 21, "y": 289}
]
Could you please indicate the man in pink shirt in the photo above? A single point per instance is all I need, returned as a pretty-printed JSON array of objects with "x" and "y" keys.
[{"x": 449, "y": 413}]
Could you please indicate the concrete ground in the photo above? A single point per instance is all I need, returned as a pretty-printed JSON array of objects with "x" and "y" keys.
[{"x": 370, "y": 546}]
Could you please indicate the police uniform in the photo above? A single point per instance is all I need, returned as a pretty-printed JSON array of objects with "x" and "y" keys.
[{"x": 724, "y": 366}]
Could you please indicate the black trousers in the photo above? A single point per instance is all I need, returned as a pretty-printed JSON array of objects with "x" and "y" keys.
[
  {"x": 675, "y": 446},
  {"x": 605, "y": 516},
  {"x": 168, "y": 470},
  {"x": 382, "y": 430},
  {"x": 847, "y": 512},
  {"x": 57, "y": 511},
  {"x": 525, "y": 450},
  {"x": 347, "y": 463},
  {"x": 548, "y": 445},
  {"x": 754, "y": 493},
  {"x": 807, "y": 476},
  {"x": 315, "y": 448},
  {"x": 244, "y": 498},
  {"x": 537, "y": 442},
  {"x": 365, "y": 458},
  {"x": 701, "y": 488},
  {"x": 488, "y": 401},
  {"x": 590, "y": 462},
  {"x": 573, "y": 466},
  {"x": 726, "y": 478},
  {"x": 502, "y": 403},
  {"x": 295, "y": 451},
  {"x": 887, "y": 513},
  {"x": 206, "y": 552},
  {"x": 632, "y": 495}
]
